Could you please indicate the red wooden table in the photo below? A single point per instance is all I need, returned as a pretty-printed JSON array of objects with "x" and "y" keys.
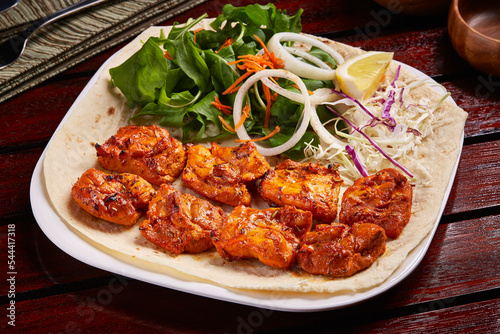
[{"x": 456, "y": 288}]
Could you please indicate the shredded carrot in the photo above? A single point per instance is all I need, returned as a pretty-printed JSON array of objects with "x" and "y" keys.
[
  {"x": 278, "y": 63},
  {"x": 221, "y": 107},
  {"x": 253, "y": 63},
  {"x": 226, "y": 44},
  {"x": 195, "y": 32},
  {"x": 167, "y": 55},
  {"x": 229, "y": 127},
  {"x": 245, "y": 113},
  {"x": 276, "y": 130},
  {"x": 274, "y": 80},
  {"x": 267, "y": 94},
  {"x": 257, "y": 59},
  {"x": 309, "y": 91},
  {"x": 257, "y": 62},
  {"x": 233, "y": 88}
]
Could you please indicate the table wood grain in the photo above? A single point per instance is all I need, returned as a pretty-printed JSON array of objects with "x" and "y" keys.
[{"x": 455, "y": 289}]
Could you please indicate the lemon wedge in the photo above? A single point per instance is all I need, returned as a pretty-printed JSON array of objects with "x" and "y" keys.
[{"x": 360, "y": 76}]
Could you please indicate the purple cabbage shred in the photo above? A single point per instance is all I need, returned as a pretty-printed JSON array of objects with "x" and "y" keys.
[
  {"x": 389, "y": 121},
  {"x": 359, "y": 166},
  {"x": 373, "y": 143},
  {"x": 396, "y": 77}
]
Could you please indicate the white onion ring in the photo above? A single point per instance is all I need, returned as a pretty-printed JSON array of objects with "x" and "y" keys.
[
  {"x": 307, "y": 56},
  {"x": 319, "y": 96},
  {"x": 298, "y": 67},
  {"x": 304, "y": 122},
  {"x": 323, "y": 133}
]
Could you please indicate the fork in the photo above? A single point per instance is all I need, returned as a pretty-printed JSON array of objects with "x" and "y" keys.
[
  {"x": 13, "y": 48},
  {"x": 7, "y": 4}
]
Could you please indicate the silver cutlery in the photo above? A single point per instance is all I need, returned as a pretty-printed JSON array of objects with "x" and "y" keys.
[
  {"x": 13, "y": 48},
  {"x": 7, "y": 4}
]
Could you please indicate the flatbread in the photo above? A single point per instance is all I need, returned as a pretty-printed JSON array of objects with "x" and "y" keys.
[{"x": 103, "y": 110}]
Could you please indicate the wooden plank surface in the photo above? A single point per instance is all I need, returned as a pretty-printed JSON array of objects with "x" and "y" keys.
[
  {"x": 476, "y": 182},
  {"x": 40, "y": 264},
  {"x": 122, "y": 305}
]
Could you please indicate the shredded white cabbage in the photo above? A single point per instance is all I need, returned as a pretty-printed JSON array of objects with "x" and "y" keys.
[{"x": 401, "y": 144}]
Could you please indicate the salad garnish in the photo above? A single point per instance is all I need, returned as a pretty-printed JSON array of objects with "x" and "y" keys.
[
  {"x": 373, "y": 143},
  {"x": 245, "y": 76}
]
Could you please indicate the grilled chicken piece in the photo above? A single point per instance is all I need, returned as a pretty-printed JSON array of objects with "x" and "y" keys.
[
  {"x": 383, "y": 198},
  {"x": 223, "y": 173},
  {"x": 339, "y": 250},
  {"x": 147, "y": 151},
  {"x": 271, "y": 235},
  {"x": 119, "y": 199},
  {"x": 181, "y": 222},
  {"x": 307, "y": 186}
]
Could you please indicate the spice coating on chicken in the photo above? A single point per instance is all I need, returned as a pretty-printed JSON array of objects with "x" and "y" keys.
[
  {"x": 223, "y": 173},
  {"x": 181, "y": 223},
  {"x": 338, "y": 250},
  {"x": 384, "y": 198},
  {"x": 307, "y": 186},
  {"x": 271, "y": 235},
  {"x": 119, "y": 199},
  {"x": 147, "y": 151}
]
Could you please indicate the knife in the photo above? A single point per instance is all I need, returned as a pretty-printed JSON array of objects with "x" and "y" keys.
[{"x": 7, "y": 4}]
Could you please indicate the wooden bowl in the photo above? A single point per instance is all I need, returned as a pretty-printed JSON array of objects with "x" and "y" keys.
[
  {"x": 474, "y": 29},
  {"x": 416, "y": 7}
]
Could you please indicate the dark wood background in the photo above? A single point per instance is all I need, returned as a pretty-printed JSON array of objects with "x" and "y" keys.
[{"x": 455, "y": 289}]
